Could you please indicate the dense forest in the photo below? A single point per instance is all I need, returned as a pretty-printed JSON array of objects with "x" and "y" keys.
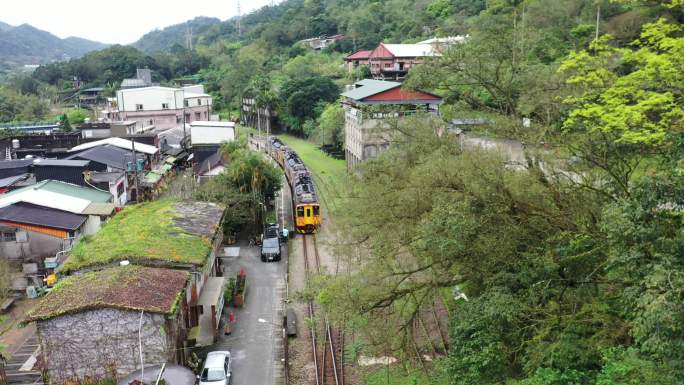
[{"x": 571, "y": 261}]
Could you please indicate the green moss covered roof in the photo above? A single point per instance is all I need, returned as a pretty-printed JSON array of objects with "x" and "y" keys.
[
  {"x": 161, "y": 233},
  {"x": 130, "y": 287}
]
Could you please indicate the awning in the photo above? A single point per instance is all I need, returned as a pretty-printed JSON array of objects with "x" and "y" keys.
[
  {"x": 152, "y": 178},
  {"x": 102, "y": 209}
]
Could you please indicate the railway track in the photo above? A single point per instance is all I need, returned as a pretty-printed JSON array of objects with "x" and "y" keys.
[{"x": 329, "y": 362}]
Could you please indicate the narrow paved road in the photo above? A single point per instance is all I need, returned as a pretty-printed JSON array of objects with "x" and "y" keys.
[{"x": 257, "y": 347}]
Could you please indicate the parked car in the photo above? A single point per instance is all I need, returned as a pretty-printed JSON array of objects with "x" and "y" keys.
[
  {"x": 216, "y": 370},
  {"x": 270, "y": 250}
]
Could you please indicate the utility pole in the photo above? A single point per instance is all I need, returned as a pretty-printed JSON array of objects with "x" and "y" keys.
[
  {"x": 598, "y": 18},
  {"x": 135, "y": 168}
]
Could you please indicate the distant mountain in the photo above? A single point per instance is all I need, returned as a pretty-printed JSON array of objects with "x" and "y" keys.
[
  {"x": 165, "y": 39},
  {"x": 26, "y": 44}
]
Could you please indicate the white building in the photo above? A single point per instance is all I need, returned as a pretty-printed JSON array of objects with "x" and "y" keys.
[{"x": 164, "y": 107}]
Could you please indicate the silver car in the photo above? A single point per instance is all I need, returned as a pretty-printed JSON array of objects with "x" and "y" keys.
[{"x": 216, "y": 370}]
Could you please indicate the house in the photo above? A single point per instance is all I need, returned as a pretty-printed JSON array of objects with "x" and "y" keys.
[
  {"x": 393, "y": 61},
  {"x": 90, "y": 97},
  {"x": 321, "y": 42},
  {"x": 114, "y": 182},
  {"x": 206, "y": 139},
  {"x": 168, "y": 234},
  {"x": 40, "y": 145},
  {"x": 32, "y": 233},
  {"x": 110, "y": 158},
  {"x": 148, "y": 150},
  {"x": 40, "y": 223},
  {"x": 164, "y": 107},
  {"x": 357, "y": 59},
  {"x": 143, "y": 78},
  {"x": 96, "y": 204},
  {"x": 70, "y": 171},
  {"x": 91, "y": 326},
  {"x": 369, "y": 107}
]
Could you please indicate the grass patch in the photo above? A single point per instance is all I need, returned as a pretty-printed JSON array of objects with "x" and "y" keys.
[
  {"x": 398, "y": 375},
  {"x": 141, "y": 232},
  {"x": 330, "y": 174}
]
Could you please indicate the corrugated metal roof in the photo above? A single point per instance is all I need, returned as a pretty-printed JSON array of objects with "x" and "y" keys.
[
  {"x": 76, "y": 191},
  {"x": 369, "y": 87},
  {"x": 445, "y": 40},
  {"x": 15, "y": 163},
  {"x": 118, "y": 142},
  {"x": 411, "y": 50},
  {"x": 100, "y": 177},
  {"x": 46, "y": 199},
  {"x": 111, "y": 156},
  {"x": 56, "y": 195},
  {"x": 4, "y": 182},
  {"x": 100, "y": 209},
  {"x": 211, "y": 135},
  {"x": 133, "y": 83},
  {"x": 30, "y": 214},
  {"x": 61, "y": 162},
  {"x": 359, "y": 55}
]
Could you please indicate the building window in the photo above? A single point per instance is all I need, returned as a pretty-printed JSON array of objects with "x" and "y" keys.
[
  {"x": 165, "y": 106},
  {"x": 388, "y": 65},
  {"x": 8, "y": 237},
  {"x": 178, "y": 119},
  {"x": 197, "y": 116},
  {"x": 199, "y": 102},
  {"x": 138, "y": 107},
  {"x": 186, "y": 103}
]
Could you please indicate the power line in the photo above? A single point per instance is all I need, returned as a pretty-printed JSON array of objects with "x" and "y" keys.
[{"x": 239, "y": 17}]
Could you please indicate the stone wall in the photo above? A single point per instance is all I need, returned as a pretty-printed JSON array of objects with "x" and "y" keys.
[{"x": 104, "y": 343}]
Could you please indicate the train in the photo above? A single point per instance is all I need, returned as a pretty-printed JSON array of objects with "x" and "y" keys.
[{"x": 307, "y": 208}]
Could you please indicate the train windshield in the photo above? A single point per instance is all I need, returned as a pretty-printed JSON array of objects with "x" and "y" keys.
[
  {"x": 316, "y": 210},
  {"x": 300, "y": 211}
]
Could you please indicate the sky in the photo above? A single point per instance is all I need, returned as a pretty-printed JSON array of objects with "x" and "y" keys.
[{"x": 116, "y": 22}]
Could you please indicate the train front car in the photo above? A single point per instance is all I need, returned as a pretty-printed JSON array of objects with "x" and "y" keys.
[
  {"x": 307, "y": 210},
  {"x": 307, "y": 207}
]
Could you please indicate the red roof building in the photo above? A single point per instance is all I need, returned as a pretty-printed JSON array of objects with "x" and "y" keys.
[
  {"x": 358, "y": 58},
  {"x": 393, "y": 61}
]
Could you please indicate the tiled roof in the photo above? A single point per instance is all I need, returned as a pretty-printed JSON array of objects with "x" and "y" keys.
[{"x": 130, "y": 287}]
